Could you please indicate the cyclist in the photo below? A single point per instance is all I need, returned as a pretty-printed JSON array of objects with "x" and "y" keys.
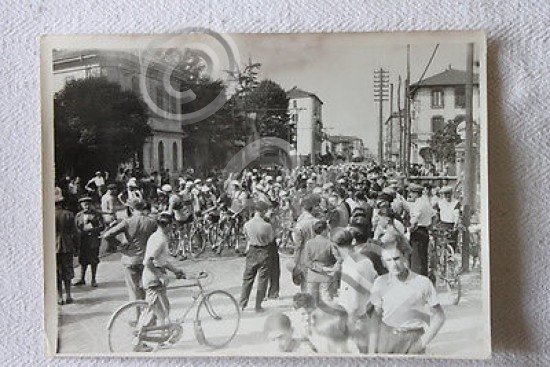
[{"x": 155, "y": 264}]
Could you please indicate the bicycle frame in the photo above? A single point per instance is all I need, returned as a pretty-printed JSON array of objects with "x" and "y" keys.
[{"x": 197, "y": 299}]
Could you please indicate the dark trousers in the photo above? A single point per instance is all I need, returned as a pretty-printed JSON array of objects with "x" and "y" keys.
[
  {"x": 419, "y": 257},
  {"x": 257, "y": 262},
  {"x": 274, "y": 271}
]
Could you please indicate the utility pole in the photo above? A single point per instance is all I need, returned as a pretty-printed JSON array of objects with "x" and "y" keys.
[
  {"x": 408, "y": 114},
  {"x": 381, "y": 79},
  {"x": 401, "y": 128},
  {"x": 390, "y": 147},
  {"x": 469, "y": 163}
]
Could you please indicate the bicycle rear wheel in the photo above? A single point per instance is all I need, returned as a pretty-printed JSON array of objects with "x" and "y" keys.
[
  {"x": 129, "y": 329},
  {"x": 217, "y": 319}
]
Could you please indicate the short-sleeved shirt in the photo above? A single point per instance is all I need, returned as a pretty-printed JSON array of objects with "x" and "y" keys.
[
  {"x": 303, "y": 231},
  {"x": 320, "y": 251},
  {"x": 358, "y": 275},
  {"x": 137, "y": 230},
  {"x": 157, "y": 248},
  {"x": 421, "y": 212},
  {"x": 448, "y": 211},
  {"x": 404, "y": 304},
  {"x": 258, "y": 232}
]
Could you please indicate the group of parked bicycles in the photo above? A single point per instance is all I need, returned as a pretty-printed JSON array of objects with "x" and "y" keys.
[{"x": 445, "y": 259}]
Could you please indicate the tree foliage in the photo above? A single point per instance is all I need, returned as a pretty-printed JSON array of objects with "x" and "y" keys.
[
  {"x": 97, "y": 126},
  {"x": 270, "y": 102},
  {"x": 444, "y": 141}
]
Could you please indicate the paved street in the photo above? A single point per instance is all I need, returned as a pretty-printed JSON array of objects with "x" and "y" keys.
[{"x": 83, "y": 324}]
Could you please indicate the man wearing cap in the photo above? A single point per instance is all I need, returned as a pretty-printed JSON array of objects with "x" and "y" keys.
[
  {"x": 137, "y": 229},
  {"x": 65, "y": 247},
  {"x": 99, "y": 184},
  {"x": 89, "y": 223},
  {"x": 407, "y": 312},
  {"x": 322, "y": 258},
  {"x": 448, "y": 210},
  {"x": 108, "y": 204},
  {"x": 421, "y": 215},
  {"x": 303, "y": 232},
  {"x": 259, "y": 235},
  {"x": 156, "y": 262}
]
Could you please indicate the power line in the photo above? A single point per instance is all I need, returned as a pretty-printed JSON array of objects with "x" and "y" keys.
[{"x": 426, "y": 68}]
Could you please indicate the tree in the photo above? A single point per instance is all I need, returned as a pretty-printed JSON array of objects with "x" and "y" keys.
[
  {"x": 270, "y": 102},
  {"x": 444, "y": 141},
  {"x": 97, "y": 126}
]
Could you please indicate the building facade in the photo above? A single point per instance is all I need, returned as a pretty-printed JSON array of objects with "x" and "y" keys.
[
  {"x": 165, "y": 149},
  {"x": 436, "y": 100},
  {"x": 306, "y": 113},
  {"x": 348, "y": 148}
]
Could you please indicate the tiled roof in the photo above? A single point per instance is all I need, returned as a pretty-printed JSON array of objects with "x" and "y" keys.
[
  {"x": 296, "y": 92},
  {"x": 447, "y": 77}
]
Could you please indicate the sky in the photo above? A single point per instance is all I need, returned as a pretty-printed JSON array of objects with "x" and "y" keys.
[{"x": 339, "y": 69}]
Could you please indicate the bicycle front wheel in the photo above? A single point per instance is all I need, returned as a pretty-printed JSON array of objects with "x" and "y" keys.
[
  {"x": 217, "y": 319},
  {"x": 136, "y": 327}
]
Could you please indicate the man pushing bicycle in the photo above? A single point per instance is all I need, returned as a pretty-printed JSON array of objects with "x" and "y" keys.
[{"x": 156, "y": 263}]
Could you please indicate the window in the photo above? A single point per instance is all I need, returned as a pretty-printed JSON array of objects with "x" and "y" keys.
[
  {"x": 175, "y": 157},
  {"x": 437, "y": 98},
  {"x": 294, "y": 104},
  {"x": 437, "y": 123},
  {"x": 88, "y": 72},
  {"x": 161, "y": 155},
  {"x": 460, "y": 97},
  {"x": 295, "y": 117}
]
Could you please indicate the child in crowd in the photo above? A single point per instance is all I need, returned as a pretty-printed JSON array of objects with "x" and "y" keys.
[
  {"x": 278, "y": 330},
  {"x": 329, "y": 330}
]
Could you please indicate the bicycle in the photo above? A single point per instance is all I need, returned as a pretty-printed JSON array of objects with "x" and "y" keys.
[
  {"x": 191, "y": 239},
  {"x": 140, "y": 326},
  {"x": 230, "y": 231},
  {"x": 444, "y": 266}
]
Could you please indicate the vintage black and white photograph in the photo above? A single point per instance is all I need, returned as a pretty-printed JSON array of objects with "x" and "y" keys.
[{"x": 308, "y": 194}]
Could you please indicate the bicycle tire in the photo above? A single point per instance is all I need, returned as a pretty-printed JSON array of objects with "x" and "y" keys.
[
  {"x": 120, "y": 332},
  {"x": 218, "y": 312}
]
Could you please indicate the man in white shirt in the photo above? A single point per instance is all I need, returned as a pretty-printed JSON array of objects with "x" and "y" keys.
[
  {"x": 421, "y": 215},
  {"x": 99, "y": 183},
  {"x": 156, "y": 262},
  {"x": 448, "y": 210},
  {"x": 407, "y": 311}
]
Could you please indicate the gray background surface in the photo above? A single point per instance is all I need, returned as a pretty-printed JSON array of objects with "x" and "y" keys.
[{"x": 518, "y": 72}]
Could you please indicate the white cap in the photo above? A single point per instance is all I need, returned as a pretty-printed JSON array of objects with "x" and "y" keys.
[
  {"x": 166, "y": 188},
  {"x": 197, "y": 181}
]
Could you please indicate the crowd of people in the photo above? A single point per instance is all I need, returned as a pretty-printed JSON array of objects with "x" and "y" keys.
[{"x": 359, "y": 232}]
